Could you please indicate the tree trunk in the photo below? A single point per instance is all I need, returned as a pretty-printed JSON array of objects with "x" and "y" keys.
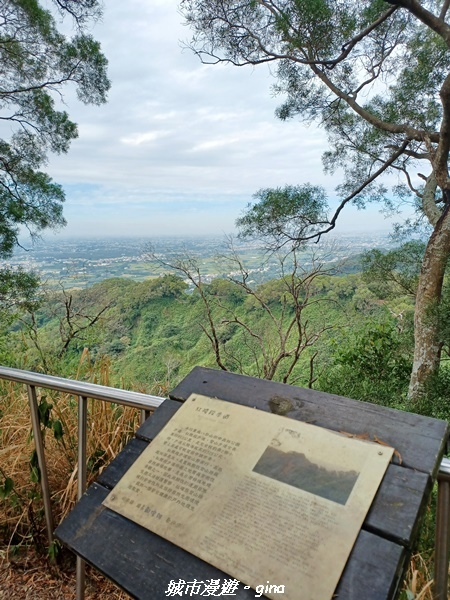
[{"x": 427, "y": 343}]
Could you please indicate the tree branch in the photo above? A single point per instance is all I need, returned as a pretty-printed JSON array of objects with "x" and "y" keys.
[
  {"x": 332, "y": 223},
  {"x": 411, "y": 132},
  {"x": 440, "y": 158},
  {"x": 432, "y": 212},
  {"x": 348, "y": 46},
  {"x": 437, "y": 24}
]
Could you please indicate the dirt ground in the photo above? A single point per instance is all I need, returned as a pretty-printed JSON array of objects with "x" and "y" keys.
[{"x": 32, "y": 578}]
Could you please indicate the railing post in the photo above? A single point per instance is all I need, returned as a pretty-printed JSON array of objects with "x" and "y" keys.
[
  {"x": 83, "y": 390},
  {"x": 32, "y": 399},
  {"x": 442, "y": 540},
  {"x": 81, "y": 482},
  {"x": 144, "y": 415}
]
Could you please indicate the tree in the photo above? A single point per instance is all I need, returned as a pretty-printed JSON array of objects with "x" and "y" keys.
[
  {"x": 37, "y": 63},
  {"x": 376, "y": 76},
  {"x": 281, "y": 331},
  {"x": 394, "y": 276},
  {"x": 73, "y": 313},
  {"x": 396, "y": 272},
  {"x": 370, "y": 362},
  {"x": 18, "y": 289}
]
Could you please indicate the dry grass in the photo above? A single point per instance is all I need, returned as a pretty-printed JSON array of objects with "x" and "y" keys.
[
  {"x": 25, "y": 570},
  {"x": 110, "y": 427},
  {"x": 418, "y": 582},
  {"x": 30, "y": 577}
]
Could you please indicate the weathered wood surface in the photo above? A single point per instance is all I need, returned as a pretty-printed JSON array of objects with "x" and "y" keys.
[
  {"x": 420, "y": 440},
  {"x": 139, "y": 561},
  {"x": 143, "y": 564},
  {"x": 398, "y": 508},
  {"x": 373, "y": 570},
  {"x": 151, "y": 427},
  {"x": 395, "y": 513},
  {"x": 123, "y": 461}
]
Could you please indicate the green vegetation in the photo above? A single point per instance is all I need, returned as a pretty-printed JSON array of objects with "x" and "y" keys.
[
  {"x": 355, "y": 340},
  {"x": 375, "y": 76},
  {"x": 350, "y": 334},
  {"x": 38, "y": 62}
]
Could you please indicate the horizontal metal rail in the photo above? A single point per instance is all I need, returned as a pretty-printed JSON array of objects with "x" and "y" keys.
[
  {"x": 83, "y": 390},
  {"x": 146, "y": 403},
  {"x": 444, "y": 468}
]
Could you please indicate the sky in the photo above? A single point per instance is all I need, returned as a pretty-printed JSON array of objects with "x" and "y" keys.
[{"x": 180, "y": 147}]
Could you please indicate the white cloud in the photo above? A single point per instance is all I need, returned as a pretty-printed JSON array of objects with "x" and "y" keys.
[
  {"x": 217, "y": 143},
  {"x": 176, "y": 132},
  {"x": 137, "y": 139}
]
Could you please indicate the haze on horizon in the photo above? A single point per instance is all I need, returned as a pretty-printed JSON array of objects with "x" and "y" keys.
[{"x": 181, "y": 147}]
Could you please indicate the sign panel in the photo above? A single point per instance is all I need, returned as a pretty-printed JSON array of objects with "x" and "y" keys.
[{"x": 265, "y": 498}]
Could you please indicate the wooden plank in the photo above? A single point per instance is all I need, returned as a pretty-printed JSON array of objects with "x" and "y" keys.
[
  {"x": 399, "y": 506},
  {"x": 116, "y": 546},
  {"x": 153, "y": 425},
  {"x": 374, "y": 569},
  {"x": 395, "y": 513},
  {"x": 140, "y": 562},
  {"x": 420, "y": 440},
  {"x": 123, "y": 461}
]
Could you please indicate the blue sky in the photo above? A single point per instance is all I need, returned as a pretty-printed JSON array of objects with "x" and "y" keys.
[{"x": 180, "y": 147}]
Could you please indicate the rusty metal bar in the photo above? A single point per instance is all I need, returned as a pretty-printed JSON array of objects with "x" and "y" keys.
[{"x": 39, "y": 445}]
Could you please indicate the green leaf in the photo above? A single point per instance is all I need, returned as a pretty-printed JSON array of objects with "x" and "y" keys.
[
  {"x": 35, "y": 56},
  {"x": 284, "y": 213},
  {"x": 34, "y": 459},
  {"x": 54, "y": 551},
  {"x": 58, "y": 431},
  {"x": 44, "y": 411},
  {"x": 35, "y": 474},
  {"x": 8, "y": 486}
]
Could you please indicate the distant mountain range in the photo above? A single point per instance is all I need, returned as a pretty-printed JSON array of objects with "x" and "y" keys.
[{"x": 295, "y": 469}]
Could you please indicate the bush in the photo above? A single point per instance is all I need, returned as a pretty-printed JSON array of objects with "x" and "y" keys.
[{"x": 371, "y": 364}]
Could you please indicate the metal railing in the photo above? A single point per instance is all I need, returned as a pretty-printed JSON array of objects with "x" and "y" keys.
[
  {"x": 442, "y": 536},
  {"x": 83, "y": 391},
  {"x": 145, "y": 403}
]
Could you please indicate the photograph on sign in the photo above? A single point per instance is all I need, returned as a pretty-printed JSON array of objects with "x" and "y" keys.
[
  {"x": 293, "y": 496},
  {"x": 286, "y": 465}
]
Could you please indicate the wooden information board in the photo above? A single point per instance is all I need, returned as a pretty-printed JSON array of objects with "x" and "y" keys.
[{"x": 260, "y": 496}]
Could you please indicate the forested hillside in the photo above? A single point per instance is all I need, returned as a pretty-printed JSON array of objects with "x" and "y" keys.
[
  {"x": 344, "y": 333},
  {"x": 347, "y": 334}
]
